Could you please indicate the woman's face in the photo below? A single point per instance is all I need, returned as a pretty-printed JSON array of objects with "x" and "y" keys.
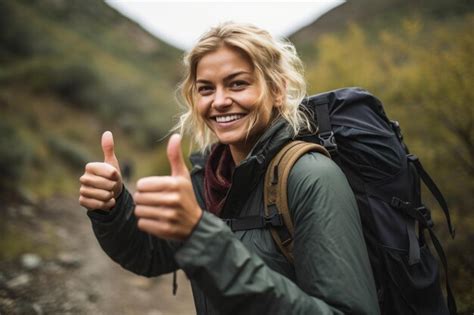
[{"x": 227, "y": 93}]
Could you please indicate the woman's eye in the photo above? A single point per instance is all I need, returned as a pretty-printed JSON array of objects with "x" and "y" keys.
[
  {"x": 204, "y": 90},
  {"x": 238, "y": 84}
]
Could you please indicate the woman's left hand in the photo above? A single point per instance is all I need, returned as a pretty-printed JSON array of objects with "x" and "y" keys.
[{"x": 165, "y": 205}]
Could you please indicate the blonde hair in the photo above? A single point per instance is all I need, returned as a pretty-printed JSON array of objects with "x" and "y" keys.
[{"x": 277, "y": 67}]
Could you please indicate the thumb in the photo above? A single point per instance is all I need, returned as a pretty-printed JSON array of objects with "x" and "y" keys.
[
  {"x": 175, "y": 157},
  {"x": 108, "y": 149}
]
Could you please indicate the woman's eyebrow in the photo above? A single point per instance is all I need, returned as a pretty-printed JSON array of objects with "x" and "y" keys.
[
  {"x": 203, "y": 81},
  {"x": 227, "y": 78},
  {"x": 235, "y": 74}
]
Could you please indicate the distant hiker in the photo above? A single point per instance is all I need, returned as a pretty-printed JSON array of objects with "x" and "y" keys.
[
  {"x": 127, "y": 170},
  {"x": 242, "y": 89}
]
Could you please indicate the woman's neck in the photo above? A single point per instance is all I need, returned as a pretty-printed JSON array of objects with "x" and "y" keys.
[{"x": 238, "y": 153}]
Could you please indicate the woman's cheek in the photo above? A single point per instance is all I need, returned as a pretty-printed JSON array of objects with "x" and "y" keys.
[{"x": 202, "y": 105}]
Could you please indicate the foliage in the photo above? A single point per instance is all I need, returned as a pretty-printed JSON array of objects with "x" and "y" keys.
[
  {"x": 14, "y": 155},
  {"x": 92, "y": 58},
  {"x": 416, "y": 76},
  {"x": 70, "y": 70},
  {"x": 70, "y": 152}
]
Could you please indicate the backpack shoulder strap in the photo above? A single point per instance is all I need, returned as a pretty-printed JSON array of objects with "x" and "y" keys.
[{"x": 276, "y": 192}]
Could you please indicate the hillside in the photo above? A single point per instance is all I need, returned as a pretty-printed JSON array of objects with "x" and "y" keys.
[
  {"x": 68, "y": 71},
  {"x": 372, "y": 16}
]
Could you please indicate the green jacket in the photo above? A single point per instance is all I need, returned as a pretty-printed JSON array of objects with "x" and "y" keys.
[{"x": 244, "y": 272}]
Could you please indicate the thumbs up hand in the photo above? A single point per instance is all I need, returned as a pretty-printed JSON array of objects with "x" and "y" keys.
[
  {"x": 101, "y": 182},
  {"x": 165, "y": 205}
]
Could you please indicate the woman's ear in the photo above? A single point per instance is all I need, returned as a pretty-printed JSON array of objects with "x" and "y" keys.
[
  {"x": 280, "y": 95},
  {"x": 278, "y": 101}
]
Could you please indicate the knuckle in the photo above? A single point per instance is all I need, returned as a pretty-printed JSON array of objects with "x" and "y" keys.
[
  {"x": 110, "y": 203},
  {"x": 82, "y": 190},
  {"x": 173, "y": 216},
  {"x": 174, "y": 183},
  {"x": 137, "y": 211},
  {"x": 181, "y": 181},
  {"x": 143, "y": 224},
  {"x": 89, "y": 166},
  {"x": 83, "y": 179},
  {"x": 175, "y": 198},
  {"x": 143, "y": 183},
  {"x": 111, "y": 172},
  {"x": 109, "y": 186},
  {"x": 167, "y": 229},
  {"x": 98, "y": 204},
  {"x": 105, "y": 195},
  {"x": 139, "y": 184},
  {"x": 137, "y": 197}
]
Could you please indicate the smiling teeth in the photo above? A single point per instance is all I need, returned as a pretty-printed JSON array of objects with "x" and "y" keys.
[{"x": 223, "y": 119}]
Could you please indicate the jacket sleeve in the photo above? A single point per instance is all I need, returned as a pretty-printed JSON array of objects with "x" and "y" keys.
[
  {"x": 331, "y": 260},
  {"x": 135, "y": 250},
  {"x": 333, "y": 273}
]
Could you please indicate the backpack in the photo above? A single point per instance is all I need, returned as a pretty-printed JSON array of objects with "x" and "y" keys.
[{"x": 355, "y": 132}]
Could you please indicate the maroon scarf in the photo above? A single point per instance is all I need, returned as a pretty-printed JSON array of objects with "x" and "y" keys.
[{"x": 218, "y": 177}]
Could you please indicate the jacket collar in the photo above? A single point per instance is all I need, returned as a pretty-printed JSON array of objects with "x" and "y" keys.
[
  {"x": 252, "y": 169},
  {"x": 266, "y": 147}
]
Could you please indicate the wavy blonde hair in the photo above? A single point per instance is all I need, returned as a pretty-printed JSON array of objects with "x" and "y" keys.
[{"x": 278, "y": 71}]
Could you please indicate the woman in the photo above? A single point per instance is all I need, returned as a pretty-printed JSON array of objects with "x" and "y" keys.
[{"x": 242, "y": 89}]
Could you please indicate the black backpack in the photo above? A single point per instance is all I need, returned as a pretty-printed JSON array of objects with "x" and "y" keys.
[{"x": 385, "y": 178}]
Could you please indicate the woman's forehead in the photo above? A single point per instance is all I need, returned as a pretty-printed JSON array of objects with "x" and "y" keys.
[{"x": 223, "y": 60}]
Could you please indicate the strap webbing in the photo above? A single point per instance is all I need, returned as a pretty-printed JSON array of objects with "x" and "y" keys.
[
  {"x": 439, "y": 249},
  {"x": 276, "y": 193},
  {"x": 322, "y": 115},
  {"x": 325, "y": 134},
  {"x": 434, "y": 190},
  {"x": 423, "y": 216},
  {"x": 253, "y": 222}
]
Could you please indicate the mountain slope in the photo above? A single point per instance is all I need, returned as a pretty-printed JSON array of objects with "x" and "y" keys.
[
  {"x": 64, "y": 60},
  {"x": 372, "y": 16}
]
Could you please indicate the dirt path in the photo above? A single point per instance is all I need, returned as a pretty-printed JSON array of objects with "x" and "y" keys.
[{"x": 80, "y": 278}]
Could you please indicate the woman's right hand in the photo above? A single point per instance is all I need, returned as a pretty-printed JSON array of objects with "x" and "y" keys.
[{"x": 101, "y": 182}]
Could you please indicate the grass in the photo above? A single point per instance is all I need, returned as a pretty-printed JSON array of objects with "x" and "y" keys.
[{"x": 17, "y": 240}]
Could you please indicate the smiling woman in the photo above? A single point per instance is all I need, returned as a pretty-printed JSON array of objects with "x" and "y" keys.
[
  {"x": 245, "y": 71},
  {"x": 242, "y": 89},
  {"x": 228, "y": 100}
]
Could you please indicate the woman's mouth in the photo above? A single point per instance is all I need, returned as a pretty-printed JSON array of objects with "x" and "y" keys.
[{"x": 228, "y": 118}]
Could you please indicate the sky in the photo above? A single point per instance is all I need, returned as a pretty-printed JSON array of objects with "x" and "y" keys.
[{"x": 181, "y": 23}]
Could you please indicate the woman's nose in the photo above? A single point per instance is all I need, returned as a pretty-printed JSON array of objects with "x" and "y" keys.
[{"x": 221, "y": 99}]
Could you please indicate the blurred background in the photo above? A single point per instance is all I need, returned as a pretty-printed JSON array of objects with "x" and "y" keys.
[{"x": 70, "y": 70}]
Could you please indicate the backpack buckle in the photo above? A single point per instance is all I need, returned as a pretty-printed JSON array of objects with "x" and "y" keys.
[
  {"x": 273, "y": 220},
  {"x": 396, "y": 128},
  {"x": 229, "y": 223},
  {"x": 399, "y": 204},
  {"x": 424, "y": 216},
  {"x": 328, "y": 141}
]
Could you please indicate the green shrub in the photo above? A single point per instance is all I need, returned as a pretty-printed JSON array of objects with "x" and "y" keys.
[
  {"x": 17, "y": 38},
  {"x": 72, "y": 153},
  {"x": 14, "y": 156}
]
